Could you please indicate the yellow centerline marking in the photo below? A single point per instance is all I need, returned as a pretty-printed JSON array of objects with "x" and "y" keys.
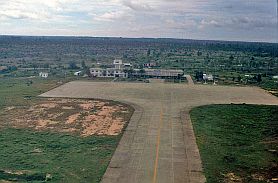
[{"x": 157, "y": 146}]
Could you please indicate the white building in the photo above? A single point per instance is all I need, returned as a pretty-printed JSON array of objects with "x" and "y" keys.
[
  {"x": 118, "y": 64},
  {"x": 3, "y": 68},
  {"x": 208, "y": 77},
  {"x": 43, "y": 74},
  {"x": 110, "y": 72},
  {"x": 117, "y": 71},
  {"x": 150, "y": 65},
  {"x": 78, "y": 73}
]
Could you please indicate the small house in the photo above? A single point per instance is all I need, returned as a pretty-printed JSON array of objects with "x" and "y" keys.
[
  {"x": 78, "y": 73},
  {"x": 43, "y": 74},
  {"x": 150, "y": 65},
  {"x": 208, "y": 77},
  {"x": 3, "y": 68}
]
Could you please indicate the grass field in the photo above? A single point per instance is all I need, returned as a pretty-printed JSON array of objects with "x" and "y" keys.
[
  {"x": 22, "y": 91},
  {"x": 36, "y": 156},
  {"x": 270, "y": 86},
  {"x": 238, "y": 143}
]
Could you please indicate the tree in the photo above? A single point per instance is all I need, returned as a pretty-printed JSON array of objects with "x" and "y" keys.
[
  {"x": 239, "y": 78},
  {"x": 231, "y": 58},
  {"x": 12, "y": 68},
  {"x": 45, "y": 65},
  {"x": 35, "y": 66},
  {"x": 149, "y": 52},
  {"x": 199, "y": 53},
  {"x": 259, "y": 78},
  {"x": 199, "y": 75},
  {"x": 93, "y": 59},
  {"x": 88, "y": 72},
  {"x": 83, "y": 64},
  {"x": 72, "y": 65}
]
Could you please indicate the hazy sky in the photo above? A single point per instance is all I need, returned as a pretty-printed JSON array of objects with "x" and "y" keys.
[{"x": 246, "y": 20}]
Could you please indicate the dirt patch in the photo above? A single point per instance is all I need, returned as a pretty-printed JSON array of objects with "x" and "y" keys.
[
  {"x": 55, "y": 115},
  {"x": 9, "y": 108},
  {"x": 67, "y": 107},
  {"x": 23, "y": 176},
  {"x": 21, "y": 172},
  {"x": 258, "y": 177},
  {"x": 5, "y": 181},
  {"x": 86, "y": 106},
  {"x": 273, "y": 92},
  {"x": 41, "y": 123},
  {"x": 95, "y": 122},
  {"x": 37, "y": 150},
  {"x": 79, "y": 116},
  {"x": 232, "y": 178},
  {"x": 72, "y": 118},
  {"x": 269, "y": 174},
  {"x": 48, "y": 105}
]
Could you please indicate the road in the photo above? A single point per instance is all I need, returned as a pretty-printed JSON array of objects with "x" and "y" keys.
[{"x": 159, "y": 145}]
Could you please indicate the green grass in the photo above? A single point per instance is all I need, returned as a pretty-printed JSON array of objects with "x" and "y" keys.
[
  {"x": 237, "y": 139},
  {"x": 66, "y": 158},
  {"x": 22, "y": 91},
  {"x": 58, "y": 156},
  {"x": 270, "y": 85}
]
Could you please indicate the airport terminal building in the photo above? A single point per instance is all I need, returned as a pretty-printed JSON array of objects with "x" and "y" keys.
[
  {"x": 124, "y": 70},
  {"x": 118, "y": 70}
]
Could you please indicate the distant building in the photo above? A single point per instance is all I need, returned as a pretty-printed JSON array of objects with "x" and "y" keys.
[
  {"x": 3, "y": 68},
  {"x": 109, "y": 72},
  {"x": 118, "y": 64},
  {"x": 127, "y": 65},
  {"x": 208, "y": 77},
  {"x": 43, "y": 74},
  {"x": 78, "y": 73},
  {"x": 124, "y": 70},
  {"x": 119, "y": 70},
  {"x": 150, "y": 65},
  {"x": 159, "y": 73}
]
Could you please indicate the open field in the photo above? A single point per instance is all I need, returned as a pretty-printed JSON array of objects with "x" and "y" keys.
[
  {"x": 23, "y": 91},
  {"x": 238, "y": 143},
  {"x": 59, "y": 140},
  {"x": 159, "y": 143},
  {"x": 36, "y": 156}
]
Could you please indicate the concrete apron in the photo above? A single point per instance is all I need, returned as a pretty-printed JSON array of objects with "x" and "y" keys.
[{"x": 159, "y": 143}]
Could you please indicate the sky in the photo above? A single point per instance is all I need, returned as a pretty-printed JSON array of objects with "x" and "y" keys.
[{"x": 241, "y": 20}]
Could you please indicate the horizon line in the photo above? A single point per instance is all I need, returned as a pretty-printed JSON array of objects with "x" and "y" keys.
[{"x": 122, "y": 37}]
